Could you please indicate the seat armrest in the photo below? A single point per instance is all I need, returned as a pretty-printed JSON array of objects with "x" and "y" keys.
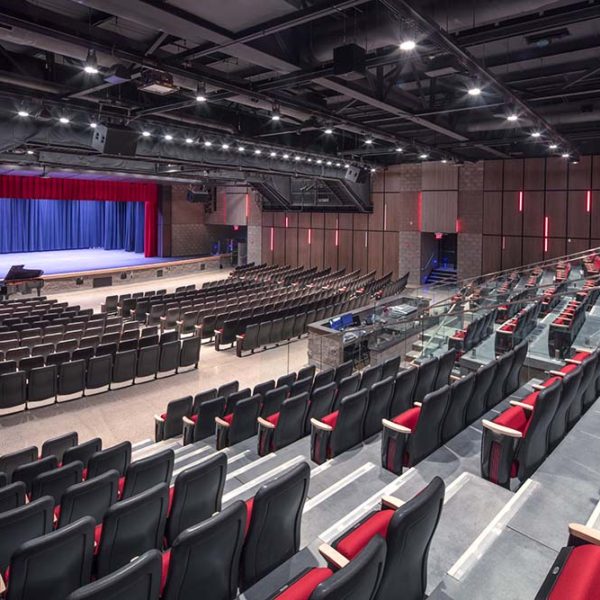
[
  {"x": 239, "y": 337},
  {"x": 391, "y": 502},
  {"x": 332, "y": 556},
  {"x": 395, "y": 427},
  {"x": 455, "y": 377},
  {"x": 418, "y": 404},
  {"x": 264, "y": 423},
  {"x": 501, "y": 429},
  {"x": 319, "y": 425},
  {"x": 584, "y": 533},
  {"x": 521, "y": 405},
  {"x": 188, "y": 421},
  {"x": 572, "y": 361},
  {"x": 221, "y": 422},
  {"x": 158, "y": 419},
  {"x": 538, "y": 386},
  {"x": 556, "y": 373}
]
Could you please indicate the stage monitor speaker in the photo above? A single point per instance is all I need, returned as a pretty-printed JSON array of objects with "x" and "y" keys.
[
  {"x": 119, "y": 141},
  {"x": 356, "y": 174}
]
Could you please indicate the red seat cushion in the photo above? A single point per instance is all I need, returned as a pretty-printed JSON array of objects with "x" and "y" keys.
[
  {"x": 568, "y": 368},
  {"x": 581, "y": 355},
  {"x": 121, "y": 486},
  {"x": 579, "y": 578},
  {"x": 228, "y": 418},
  {"x": 274, "y": 418},
  {"x": 409, "y": 418},
  {"x": 550, "y": 381},
  {"x": 84, "y": 473},
  {"x": 166, "y": 559},
  {"x": 56, "y": 513},
  {"x": 359, "y": 537},
  {"x": 97, "y": 537},
  {"x": 331, "y": 419},
  {"x": 304, "y": 587},
  {"x": 249, "y": 507},
  {"x": 515, "y": 417},
  {"x": 531, "y": 399},
  {"x": 163, "y": 416},
  {"x": 194, "y": 418}
]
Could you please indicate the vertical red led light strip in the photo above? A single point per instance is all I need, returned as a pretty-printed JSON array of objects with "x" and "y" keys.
[
  {"x": 546, "y": 229},
  {"x": 337, "y": 231},
  {"x": 457, "y": 225},
  {"x": 272, "y": 238},
  {"x": 503, "y": 242},
  {"x": 366, "y": 239},
  {"x": 247, "y": 206},
  {"x": 521, "y": 201},
  {"x": 287, "y": 222},
  {"x": 588, "y": 201},
  {"x": 310, "y": 236}
]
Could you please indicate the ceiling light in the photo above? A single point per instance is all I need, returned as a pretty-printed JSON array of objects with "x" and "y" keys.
[
  {"x": 258, "y": 152},
  {"x": 408, "y": 45},
  {"x": 346, "y": 166},
  {"x": 146, "y": 133},
  {"x": 189, "y": 141},
  {"x": 168, "y": 137},
  {"x": 286, "y": 156},
  {"x": 444, "y": 161},
  {"x": 373, "y": 170},
  {"x": 328, "y": 163},
  {"x": 536, "y": 134},
  {"x": 241, "y": 149},
  {"x": 309, "y": 160},
  {"x": 91, "y": 63},
  {"x": 553, "y": 146},
  {"x": 565, "y": 155},
  {"x": 574, "y": 162},
  {"x": 512, "y": 117},
  {"x": 399, "y": 150},
  {"x": 338, "y": 164},
  {"x": 328, "y": 130},
  {"x": 474, "y": 91},
  {"x": 64, "y": 120},
  {"x": 319, "y": 161},
  {"x": 29, "y": 152},
  {"x": 225, "y": 147},
  {"x": 297, "y": 158},
  {"x": 23, "y": 113},
  {"x": 273, "y": 154},
  {"x": 275, "y": 113},
  {"x": 368, "y": 141},
  {"x": 207, "y": 144},
  {"x": 201, "y": 93},
  {"x": 93, "y": 125},
  {"x": 423, "y": 156}
]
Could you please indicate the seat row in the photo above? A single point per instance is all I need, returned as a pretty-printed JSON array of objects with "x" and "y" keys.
[
  {"x": 512, "y": 305},
  {"x": 516, "y": 442},
  {"x": 475, "y": 332},
  {"x": 517, "y": 328},
  {"x": 551, "y": 296},
  {"x": 565, "y": 327},
  {"x": 72, "y": 379}
]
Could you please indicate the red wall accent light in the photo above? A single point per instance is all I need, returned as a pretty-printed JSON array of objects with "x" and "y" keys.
[
  {"x": 310, "y": 236},
  {"x": 287, "y": 222},
  {"x": 521, "y": 201},
  {"x": 247, "y": 206},
  {"x": 457, "y": 225},
  {"x": 439, "y": 236},
  {"x": 546, "y": 229},
  {"x": 272, "y": 239},
  {"x": 503, "y": 242},
  {"x": 588, "y": 201},
  {"x": 337, "y": 237}
]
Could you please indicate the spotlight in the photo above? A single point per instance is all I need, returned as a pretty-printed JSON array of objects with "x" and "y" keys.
[
  {"x": 399, "y": 149},
  {"x": 64, "y": 120},
  {"x": 189, "y": 141},
  {"x": 23, "y": 113},
  {"x": 574, "y": 162},
  {"x": 408, "y": 45},
  {"x": 369, "y": 142},
  {"x": 536, "y": 134},
  {"x": 168, "y": 137},
  {"x": 319, "y": 161},
  {"x": 444, "y": 161},
  {"x": 373, "y": 170},
  {"x": 91, "y": 63},
  {"x": 258, "y": 152},
  {"x": 297, "y": 158},
  {"x": 30, "y": 152},
  {"x": 145, "y": 133},
  {"x": 309, "y": 160},
  {"x": 346, "y": 166},
  {"x": 286, "y": 156},
  {"x": 328, "y": 130},
  {"x": 512, "y": 117},
  {"x": 273, "y": 154},
  {"x": 423, "y": 156},
  {"x": 201, "y": 93},
  {"x": 207, "y": 144},
  {"x": 241, "y": 149},
  {"x": 474, "y": 91},
  {"x": 93, "y": 125},
  {"x": 328, "y": 163},
  {"x": 553, "y": 146},
  {"x": 225, "y": 147},
  {"x": 565, "y": 155},
  {"x": 338, "y": 165},
  {"x": 275, "y": 113}
]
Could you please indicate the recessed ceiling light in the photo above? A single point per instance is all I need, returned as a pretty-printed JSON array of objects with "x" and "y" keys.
[
  {"x": 91, "y": 63},
  {"x": 373, "y": 170},
  {"x": 423, "y": 156},
  {"x": 90, "y": 70},
  {"x": 286, "y": 156},
  {"x": 29, "y": 152},
  {"x": 368, "y": 141},
  {"x": 298, "y": 158},
  {"x": 241, "y": 149},
  {"x": 225, "y": 147},
  {"x": 328, "y": 130},
  {"x": 64, "y": 120},
  {"x": 328, "y": 163},
  {"x": 200, "y": 98},
  {"x": 319, "y": 161},
  {"x": 93, "y": 125},
  {"x": 536, "y": 134},
  {"x": 168, "y": 137},
  {"x": 553, "y": 146},
  {"x": 23, "y": 113},
  {"x": 189, "y": 141},
  {"x": 275, "y": 113},
  {"x": 565, "y": 155},
  {"x": 338, "y": 164},
  {"x": 146, "y": 133},
  {"x": 207, "y": 143},
  {"x": 512, "y": 117},
  {"x": 273, "y": 154},
  {"x": 346, "y": 166},
  {"x": 258, "y": 152},
  {"x": 474, "y": 91},
  {"x": 408, "y": 45},
  {"x": 444, "y": 161},
  {"x": 201, "y": 93},
  {"x": 399, "y": 149},
  {"x": 309, "y": 160}
]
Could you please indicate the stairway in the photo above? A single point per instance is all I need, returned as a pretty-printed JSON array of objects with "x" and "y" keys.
[{"x": 442, "y": 275}]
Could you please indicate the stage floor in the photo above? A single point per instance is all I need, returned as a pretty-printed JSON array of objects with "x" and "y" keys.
[{"x": 72, "y": 261}]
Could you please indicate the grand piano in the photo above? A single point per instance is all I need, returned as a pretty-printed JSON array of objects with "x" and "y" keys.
[{"x": 19, "y": 279}]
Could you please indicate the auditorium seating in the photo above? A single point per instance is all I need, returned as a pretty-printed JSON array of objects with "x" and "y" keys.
[
  {"x": 477, "y": 330},
  {"x": 517, "y": 328},
  {"x": 564, "y": 328}
]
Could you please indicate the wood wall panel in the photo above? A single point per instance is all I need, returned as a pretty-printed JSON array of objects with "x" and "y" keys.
[
  {"x": 533, "y": 250},
  {"x": 577, "y": 245},
  {"x": 291, "y": 247},
  {"x": 439, "y": 211},
  {"x": 292, "y": 219},
  {"x": 304, "y": 220},
  {"x": 345, "y": 220},
  {"x": 491, "y": 253},
  {"x": 279, "y": 245},
  {"x": 595, "y": 215},
  {"x": 439, "y": 176},
  {"x": 267, "y": 219},
  {"x": 330, "y": 256},
  {"x": 345, "y": 250},
  {"x": 303, "y": 249},
  {"x": 556, "y": 247},
  {"x": 580, "y": 175},
  {"x": 556, "y": 173},
  {"x": 279, "y": 219},
  {"x": 578, "y": 223},
  {"x": 375, "y": 252},
  {"x": 492, "y": 175},
  {"x": 534, "y": 174},
  {"x": 513, "y": 174},
  {"x": 511, "y": 251},
  {"x": 596, "y": 172},
  {"x": 360, "y": 252},
  {"x": 317, "y": 220},
  {"x": 556, "y": 211},
  {"x": 360, "y": 221},
  {"x": 376, "y": 217},
  {"x": 317, "y": 248},
  {"x": 266, "y": 254},
  {"x": 492, "y": 212},
  {"x": 533, "y": 214},
  {"x": 331, "y": 220},
  {"x": 391, "y": 253},
  {"x": 512, "y": 219}
]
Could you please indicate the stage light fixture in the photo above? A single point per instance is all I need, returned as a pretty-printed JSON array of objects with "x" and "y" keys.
[
  {"x": 444, "y": 161},
  {"x": 328, "y": 130},
  {"x": 189, "y": 141},
  {"x": 225, "y": 147},
  {"x": 241, "y": 149},
  {"x": 207, "y": 143},
  {"x": 64, "y": 120},
  {"x": 536, "y": 134},
  {"x": 275, "y": 113},
  {"x": 297, "y": 158},
  {"x": 30, "y": 152},
  {"x": 512, "y": 117},
  {"x": 319, "y": 161},
  {"x": 146, "y": 134},
  {"x": 565, "y": 155},
  {"x": 91, "y": 63},
  {"x": 273, "y": 154},
  {"x": 553, "y": 146},
  {"x": 474, "y": 91},
  {"x": 369, "y": 142},
  {"x": 328, "y": 163},
  {"x": 93, "y": 125},
  {"x": 309, "y": 160},
  {"x": 258, "y": 152},
  {"x": 408, "y": 45},
  {"x": 346, "y": 166},
  {"x": 338, "y": 165},
  {"x": 201, "y": 93},
  {"x": 399, "y": 149},
  {"x": 373, "y": 170},
  {"x": 23, "y": 113},
  {"x": 168, "y": 137},
  {"x": 286, "y": 156},
  {"x": 423, "y": 156}
]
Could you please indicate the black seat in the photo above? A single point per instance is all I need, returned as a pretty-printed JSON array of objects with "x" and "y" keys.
[
  {"x": 460, "y": 394},
  {"x": 9, "y": 462},
  {"x": 53, "y": 566},
  {"x": 287, "y": 379},
  {"x": 272, "y": 401},
  {"x": 323, "y": 378},
  {"x": 22, "y": 524},
  {"x": 340, "y": 430},
  {"x": 262, "y": 388},
  {"x": 42, "y": 386},
  {"x": 147, "y": 364},
  {"x": 99, "y": 374},
  {"x": 225, "y": 390},
  {"x": 321, "y": 403},
  {"x": 346, "y": 387},
  {"x": 202, "y": 423},
  {"x": 170, "y": 423},
  {"x": 264, "y": 334},
  {"x": 55, "y": 482},
  {"x": 132, "y": 527},
  {"x": 483, "y": 381},
  {"x": 276, "y": 335},
  {"x": 196, "y": 495},
  {"x": 235, "y": 397},
  {"x": 207, "y": 557},
  {"x": 426, "y": 378},
  {"x": 445, "y": 366},
  {"x": 90, "y": 498},
  {"x": 284, "y": 427},
  {"x": 107, "y": 349},
  {"x": 287, "y": 331},
  {"x": 138, "y": 580},
  {"x": 343, "y": 370},
  {"x": 301, "y": 386},
  {"x": 124, "y": 369},
  {"x": 404, "y": 386},
  {"x": 28, "y": 472},
  {"x": 71, "y": 380},
  {"x": 495, "y": 393},
  {"x": 369, "y": 377},
  {"x": 169, "y": 359},
  {"x": 274, "y": 521},
  {"x": 390, "y": 367},
  {"x": 13, "y": 392},
  {"x": 513, "y": 378},
  {"x": 305, "y": 372},
  {"x": 59, "y": 445},
  {"x": 570, "y": 388},
  {"x": 82, "y": 452},
  {"x": 247, "y": 340},
  {"x": 145, "y": 473},
  {"x": 378, "y": 406},
  {"x": 190, "y": 354},
  {"x": 116, "y": 457},
  {"x": 238, "y": 425},
  {"x": 12, "y": 496},
  {"x": 33, "y": 362},
  {"x": 415, "y": 433}
]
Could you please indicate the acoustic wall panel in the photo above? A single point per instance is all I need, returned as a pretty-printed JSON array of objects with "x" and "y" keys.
[
  {"x": 360, "y": 246},
  {"x": 492, "y": 175},
  {"x": 577, "y": 245},
  {"x": 303, "y": 248},
  {"x": 330, "y": 256},
  {"x": 578, "y": 222},
  {"x": 439, "y": 176},
  {"x": 331, "y": 220},
  {"x": 316, "y": 248},
  {"x": 513, "y": 175},
  {"x": 304, "y": 220},
  {"x": 361, "y": 221},
  {"x": 491, "y": 253},
  {"x": 492, "y": 213},
  {"x": 267, "y": 218},
  {"x": 512, "y": 218},
  {"x": 439, "y": 211},
  {"x": 391, "y": 253},
  {"x": 533, "y": 250},
  {"x": 556, "y": 173},
  {"x": 580, "y": 174},
  {"x": 375, "y": 251},
  {"x": 345, "y": 250},
  {"x": 291, "y": 246},
  {"x": 376, "y": 217},
  {"x": 318, "y": 220},
  {"x": 595, "y": 214},
  {"x": 556, "y": 211},
  {"x": 279, "y": 245},
  {"x": 292, "y": 219},
  {"x": 556, "y": 247},
  {"x": 534, "y": 174},
  {"x": 533, "y": 214},
  {"x": 345, "y": 220},
  {"x": 511, "y": 251},
  {"x": 267, "y": 252}
]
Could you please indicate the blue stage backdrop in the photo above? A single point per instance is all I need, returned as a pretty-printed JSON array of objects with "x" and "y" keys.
[{"x": 37, "y": 225}]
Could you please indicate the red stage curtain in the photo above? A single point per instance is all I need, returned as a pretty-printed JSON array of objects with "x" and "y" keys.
[{"x": 36, "y": 188}]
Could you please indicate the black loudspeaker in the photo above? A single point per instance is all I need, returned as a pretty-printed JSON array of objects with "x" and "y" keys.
[
  {"x": 196, "y": 197},
  {"x": 350, "y": 59},
  {"x": 356, "y": 174},
  {"x": 119, "y": 141}
]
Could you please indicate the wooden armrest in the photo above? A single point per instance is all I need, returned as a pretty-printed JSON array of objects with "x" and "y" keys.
[
  {"x": 395, "y": 427},
  {"x": 419, "y": 404},
  {"x": 500, "y": 429},
  {"x": 221, "y": 422},
  {"x": 559, "y": 325},
  {"x": 319, "y": 425},
  {"x": 188, "y": 421},
  {"x": 556, "y": 373},
  {"x": 391, "y": 502},
  {"x": 521, "y": 405},
  {"x": 455, "y": 377},
  {"x": 159, "y": 419},
  {"x": 332, "y": 556},
  {"x": 239, "y": 337},
  {"x": 179, "y": 322},
  {"x": 198, "y": 327},
  {"x": 2, "y": 585},
  {"x": 587, "y": 534},
  {"x": 572, "y": 361},
  {"x": 538, "y": 386},
  {"x": 265, "y": 423},
  {"x": 163, "y": 318}
]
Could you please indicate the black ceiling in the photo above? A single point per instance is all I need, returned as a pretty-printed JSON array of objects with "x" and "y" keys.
[{"x": 537, "y": 59}]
